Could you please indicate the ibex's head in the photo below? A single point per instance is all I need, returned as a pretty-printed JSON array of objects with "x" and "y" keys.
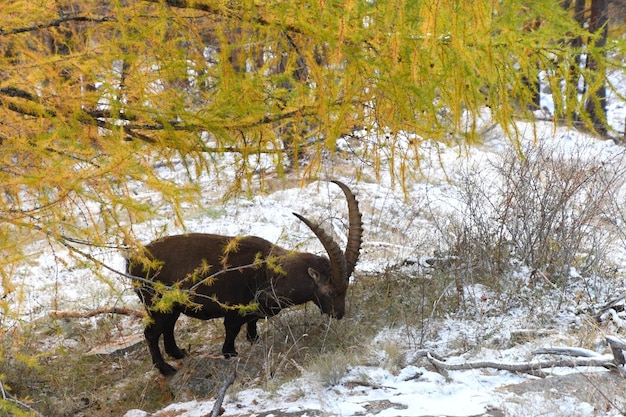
[{"x": 332, "y": 276}]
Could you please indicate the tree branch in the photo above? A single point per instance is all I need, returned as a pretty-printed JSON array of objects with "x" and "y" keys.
[
  {"x": 5, "y": 396},
  {"x": 194, "y": 5},
  {"x": 56, "y": 23},
  {"x": 18, "y": 92},
  {"x": 567, "y": 351},
  {"x": 26, "y": 111},
  {"x": 102, "y": 310},
  {"x": 222, "y": 393},
  {"x": 603, "y": 361},
  {"x": 578, "y": 357},
  {"x": 209, "y": 8}
]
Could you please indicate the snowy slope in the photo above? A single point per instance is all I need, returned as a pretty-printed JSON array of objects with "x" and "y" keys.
[{"x": 414, "y": 389}]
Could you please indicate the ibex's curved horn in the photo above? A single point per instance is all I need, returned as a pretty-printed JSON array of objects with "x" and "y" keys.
[
  {"x": 355, "y": 229},
  {"x": 338, "y": 264},
  {"x": 342, "y": 265}
]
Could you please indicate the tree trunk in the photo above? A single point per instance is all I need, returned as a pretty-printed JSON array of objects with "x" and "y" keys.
[
  {"x": 532, "y": 82},
  {"x": 573, "y": 88},
  {"x": 596, "y": 103}
]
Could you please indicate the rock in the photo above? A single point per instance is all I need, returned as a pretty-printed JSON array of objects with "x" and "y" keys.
[
  {"x": 202, "y": 377},
  {"x": 121, "y": 346}
]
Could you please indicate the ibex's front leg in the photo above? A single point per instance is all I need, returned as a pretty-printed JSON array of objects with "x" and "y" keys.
[{"x": 153, "y": 332}]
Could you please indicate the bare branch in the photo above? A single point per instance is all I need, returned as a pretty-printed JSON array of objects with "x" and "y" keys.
[
  {"x": 56, "y": 23},
  {"x": 220, "y": 396},
  {"x": 567, "y": 351},
  {"x": 603, "y": 361},
  {"x": 363, "y": 383},
  {"x": 5, "y": 396},
  {"x": 195, "y": 5},
  {"x": 103, "y": 310},
  {"x": 18, "y": 92}
]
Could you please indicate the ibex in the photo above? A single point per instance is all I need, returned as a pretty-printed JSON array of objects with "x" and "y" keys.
[{"x": 241, "y": 279}]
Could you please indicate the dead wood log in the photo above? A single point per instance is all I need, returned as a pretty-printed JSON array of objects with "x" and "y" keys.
[
  {"x": 567, "y": 351},
  {"x": 603, "y": 361},
  {"x": 423, "y": 353},
  {"x": 363, "y": 383},
  {"x": 616, "y": 304},
  {"x": 617, "y": 346},
  {"x": 102, "y": 310}
]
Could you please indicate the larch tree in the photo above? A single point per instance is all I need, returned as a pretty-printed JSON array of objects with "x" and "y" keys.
[{"x": 98, "y": 95}]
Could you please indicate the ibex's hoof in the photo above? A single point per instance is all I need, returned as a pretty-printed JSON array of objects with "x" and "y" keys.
[
  {"x": 181, "y": 353},
  {"x": 166, "y": 369},
  {"x": 228, "y": 355}
]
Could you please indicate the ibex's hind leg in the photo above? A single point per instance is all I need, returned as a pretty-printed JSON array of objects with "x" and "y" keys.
[
  {"x": 153, "y": 332},
  {"x": 251, "y": 332},
  {"x": 169, "y": 342},
  {"x": 232, "y": 325}
]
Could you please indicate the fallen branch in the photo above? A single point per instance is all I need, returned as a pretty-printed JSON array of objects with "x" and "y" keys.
[
  {"x": 363, "y": 383},
  {"x": 567, "y": 351},
  {"x": 98, "y": 311},
  {"x": 603, "y": 361},
  {"x": 423, "y": 353},
  {"x": 617, "y": 348},
  {"x": 577, "y": 357},
  {"x": 616, "y": 305},
  {"x": 217, "y": 407}
]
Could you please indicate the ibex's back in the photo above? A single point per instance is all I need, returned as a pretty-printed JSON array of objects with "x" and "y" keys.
[
  {"x": 186, "y": 260},
  {"x": 240, "y": 279}
]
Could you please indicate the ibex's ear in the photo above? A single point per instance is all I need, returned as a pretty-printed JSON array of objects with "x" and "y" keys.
[{"x": 315, "y": 275}]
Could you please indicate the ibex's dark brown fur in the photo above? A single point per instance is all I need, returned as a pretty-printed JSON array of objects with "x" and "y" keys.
[{"x": 220, "y": 273}]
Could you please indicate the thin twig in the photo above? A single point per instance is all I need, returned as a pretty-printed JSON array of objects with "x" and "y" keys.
[{"x": 8, "y": 397}]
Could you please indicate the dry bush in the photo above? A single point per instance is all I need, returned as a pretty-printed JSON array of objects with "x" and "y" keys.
[
  {"x": 554, "y": 205},
  {"x": 548, "y": 209}
]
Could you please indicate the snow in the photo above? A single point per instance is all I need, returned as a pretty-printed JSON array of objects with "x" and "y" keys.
[{"x": 464, "y": 393}]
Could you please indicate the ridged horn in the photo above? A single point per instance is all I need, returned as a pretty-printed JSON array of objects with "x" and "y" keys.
[
  {"x": 342, "y": 264},
  {"x": 355, "y": 229},
  {"x": 338, "y": 264}
]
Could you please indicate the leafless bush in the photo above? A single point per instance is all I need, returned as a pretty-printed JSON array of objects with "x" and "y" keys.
[{"x": 547, "y": 208}]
